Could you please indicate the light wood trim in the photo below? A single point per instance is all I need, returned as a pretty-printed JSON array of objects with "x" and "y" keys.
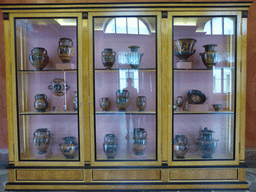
[
  {"x": 8, "y": 65},
  {"x": 242, "y": 174},
  {"x": 243, "y": 90},
  {"x": 49, "y": 175},
  {"x": 85, "y": 104},
  {"x": 164, "y": 88},
  {"x": 203, "y": 174},
  {"x": 239, "y": 83},
  {"x": 169, "y": 89},
  {"x": 11, "y": 175},
  {"x": 126, "y": 175}
]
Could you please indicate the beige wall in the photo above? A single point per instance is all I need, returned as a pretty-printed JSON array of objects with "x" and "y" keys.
[{"x": 251, "y": 67}]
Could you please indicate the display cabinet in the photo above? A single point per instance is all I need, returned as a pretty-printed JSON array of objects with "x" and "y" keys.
[{"x": 134, "y": 96}]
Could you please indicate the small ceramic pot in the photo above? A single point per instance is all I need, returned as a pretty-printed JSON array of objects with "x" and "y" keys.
[
  {"x": 108, "y": 58},
  {"x": 110, "y": 145},
  {"x": 139, "y": 141},
  {"x": 65, "y": 50},
  {"x": 104, "y": 103},
  {"x": 134, "y": 58},
  {"x": 42, "y": 140},
  {"x": 69, "y": 147},
  {"x": 209, "y": 57},
  {"x": 39, "y": 58},
  {"x": 141, "y": 102},
  {"x": 217, "y": 106},
  {"x": 122, "y": 99},
  {"x": 183, "y": 48},
  {"x": 206, "y": 143},
  {"x": 180, "y": 146},
  {"x": 58, "y": 87},
  {"x": 40, "y": 103},
  {"x": 75, "y": 101},
  {"x": 179, "y": 101}
]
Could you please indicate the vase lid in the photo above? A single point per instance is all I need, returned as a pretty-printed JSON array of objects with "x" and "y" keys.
[
  {"x": 215, "y": 45},
  {"x": 206, "y": 131}
]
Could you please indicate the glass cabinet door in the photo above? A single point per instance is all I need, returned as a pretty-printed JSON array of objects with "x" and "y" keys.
[
  {"x": 125, "y": 88},
  {"x": 47, "y": 88},
  {"x": 204, "y": 88}
]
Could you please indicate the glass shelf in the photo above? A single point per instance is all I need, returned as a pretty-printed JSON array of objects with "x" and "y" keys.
[
  {"x": 49, "y": 70},
  {"x": 126, "y": 69},
  {"x": 50, "y": 113},
  {"x": 125, "y": 112},
  {"x": 202, "y": 112}
]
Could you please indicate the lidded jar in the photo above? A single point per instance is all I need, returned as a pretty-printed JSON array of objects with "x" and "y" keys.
[
  {"x": 110, "y": 145},
  {"x": 65, "y": 50},
  {"x": 179, "y": 101},
  {"x": 180, "y": 146},
  {"x": 206, "y": 143},
  {"x": 108, "y": 57},
  {"x": 42, "y": 140},
  {"x": 40, "y": 103},
  {"x": 39, "y": 58}
]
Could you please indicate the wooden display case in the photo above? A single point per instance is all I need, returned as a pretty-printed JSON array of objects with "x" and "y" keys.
[{"x": 103, "y": 113}]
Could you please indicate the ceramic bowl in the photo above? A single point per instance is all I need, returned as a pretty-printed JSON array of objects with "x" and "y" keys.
[{"x": 217, "y": 106}]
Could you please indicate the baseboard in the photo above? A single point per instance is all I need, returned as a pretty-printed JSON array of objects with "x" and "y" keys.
[
  {"x": 250, "y": 155},
  {"x": 4, "y": 157}
]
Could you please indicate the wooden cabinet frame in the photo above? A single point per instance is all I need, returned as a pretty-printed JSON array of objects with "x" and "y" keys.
[{"x": 162, "y": 174}]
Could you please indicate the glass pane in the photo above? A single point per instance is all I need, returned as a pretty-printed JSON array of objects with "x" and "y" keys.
[
  {"x": 125, "y": 95},
  {"x": 121, "y": 25},
  {"x": 46, "y": 52},
  {"x": 143, "y": 30},
  {"x": 132, "y": 25},
  {"x": 111, "y": 27},
  {"x": 204, "y": 90}
]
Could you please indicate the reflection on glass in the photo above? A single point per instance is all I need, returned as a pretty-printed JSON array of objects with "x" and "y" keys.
[
  {"x": 213, "y": 80},
  {"x": 123, "y": 85}
]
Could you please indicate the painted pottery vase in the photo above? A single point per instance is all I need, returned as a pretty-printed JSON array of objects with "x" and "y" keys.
[
  {"x": 40, "y": 103},
  {"x": 65, "y": 50},
  {"x": 110, "y": 145},
  {"x": 134, "y": 58},
  {"x": 122, "y": 99},
  {"x": 209, "y": 57},
  {"x": 139, "y": 141},
  {"x": 108, "y": 57},
  {"x": 69, "y": 147},
  {"x": 58, "y": 87},
  {"x": 104, "y": 103},
  {"x": 141, "y": 102},
  {"x": 39, "y": 58},
  {"x": 75, "y": 101},
  {"x": 184, "y": 48},
  {"x": 42, "y": 140},
  {"x": 180, "y": 146},
  {"x": 179, "y": 101},
  {"x": 206, "y": 143}
]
